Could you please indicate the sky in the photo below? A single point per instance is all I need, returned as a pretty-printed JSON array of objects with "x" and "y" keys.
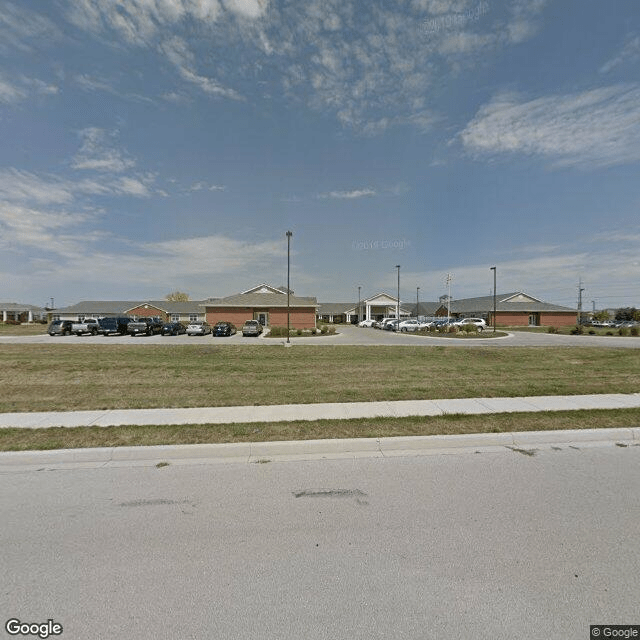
[{"x": 149, "y": 146}]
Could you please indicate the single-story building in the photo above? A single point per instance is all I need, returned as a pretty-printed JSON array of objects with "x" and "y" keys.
[
  {"x": 266, "y": 304},
  {"x": 377, "y": 307},
  {"x": 18, "y": 312},
  {"x": 186, "y": 312},
  {"x": 515, "y": 309}
]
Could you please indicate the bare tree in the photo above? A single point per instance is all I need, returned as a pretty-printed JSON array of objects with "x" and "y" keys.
[{"x": 177, "y": 296}]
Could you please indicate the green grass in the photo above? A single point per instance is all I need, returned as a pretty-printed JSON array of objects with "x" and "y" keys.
[
  {"x": 23, "y": 329},
  {"x": 71, "y": 438},
  {"x": 41, "y": 377}
]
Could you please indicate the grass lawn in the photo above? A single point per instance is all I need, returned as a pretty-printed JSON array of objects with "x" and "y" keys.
[
  {"x": 36, "y": 329},
  {"x": 63, "y": 438},
  {"x": 40, "y": 377}
]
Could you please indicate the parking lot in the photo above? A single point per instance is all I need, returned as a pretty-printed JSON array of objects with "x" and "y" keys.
[{"x": 348, "y": 335}]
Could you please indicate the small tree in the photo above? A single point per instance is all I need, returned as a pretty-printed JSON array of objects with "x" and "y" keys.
[
  {"x": 626, "y": 314},
  {"x": 177, "y": 296}
]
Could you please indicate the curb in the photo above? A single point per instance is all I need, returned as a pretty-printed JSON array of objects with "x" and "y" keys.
[{"x": 256, "y": 452}]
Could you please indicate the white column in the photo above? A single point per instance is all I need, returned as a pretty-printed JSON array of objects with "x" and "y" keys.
[
  {"x": 4, "y": 316},
  {"x": 30, "y": 317}
]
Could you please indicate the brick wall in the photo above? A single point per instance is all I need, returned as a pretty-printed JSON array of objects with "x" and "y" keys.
[
  {"x": 506, "y": 319},
  {"x": 148, "y": 312},
  {"x": 301, "y": 318},
  {"x": 558, "y": 319}
]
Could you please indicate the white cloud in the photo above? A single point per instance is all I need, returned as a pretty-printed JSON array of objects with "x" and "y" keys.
[
  {"x": 630, "y": 53},
  {"x": 22, "y": 88},
  {"x": 177, "y": 52},
  {"x": 10, "y": 92},
  {"x": 349, "y": 195},
  {"x": 22, "y": 29},
  {"x": 596, "y": 128},
  {"x": 370, "y": 65},
  {"x": 97, "y": 154},
  {"x": 200, "y": 186}
]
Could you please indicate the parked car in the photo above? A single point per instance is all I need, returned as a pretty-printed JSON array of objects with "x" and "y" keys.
[
  {"x": 145, "y": 326},
  {"x": 200, "y": 328},
  {"x": 366, "y": 323},
  {"x": 60, "y": 328},
  {"x": 224, "y": 329},
  {"x": 391, "y": 325},
  {"x": 115, "y": 325},
  {"x": 251, "y": 328},
  {"x": 88, "y": 325},
  {"x": 409, "y": 325},
  {"x": 173, "y": 329},
  {"x": 478, "y": 322}
]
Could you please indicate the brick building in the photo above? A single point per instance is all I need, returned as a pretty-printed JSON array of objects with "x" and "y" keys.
[{"x": 266, "y": 304}]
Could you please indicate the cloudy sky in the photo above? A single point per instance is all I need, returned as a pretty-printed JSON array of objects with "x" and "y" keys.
[{"x": 155, "y": 145}]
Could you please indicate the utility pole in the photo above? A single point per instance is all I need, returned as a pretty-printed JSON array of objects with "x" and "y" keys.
[
  {"x": 417, "y": 303},
  {"x": 494, "y": 298},
  {"x": 359, "y": 318},
  {"x": 289, "y": 234},
  {"x": 398, "y": 301},
  {"x": 448, "y": 281},
  {"x": 580, "y": 290}
]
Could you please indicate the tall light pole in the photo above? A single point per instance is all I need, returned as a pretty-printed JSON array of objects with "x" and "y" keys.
[
  {"x": 398, "y": 301},
  {"x": 494, "y": 298},
  {"x": 417, "y": 303},
  {"x": 449, "y": 276},
  {"x": 359, "y": 318},
  {"x": 289, "y": 234}
]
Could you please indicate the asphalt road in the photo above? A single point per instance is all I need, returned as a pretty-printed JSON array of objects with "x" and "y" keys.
[
  {"x": 488, "y": 545},
  {"x": 349, "y": 335}
]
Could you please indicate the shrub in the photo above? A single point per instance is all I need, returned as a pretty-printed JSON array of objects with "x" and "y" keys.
[
  {"x": 469, "y": 328},
  {"x": 279, "y": 332},
  {"x": 592, "y": 332},
  {"x": 578, "y": 330},
  {"x": 609, "y": 333},
  {"x": 332, "y": 330},
  {"x": 623, "y": 331},
  {"x": 634, "y": 331},
  {"x": 552, "y": 330},
  {"x": 323, "y": 329}
]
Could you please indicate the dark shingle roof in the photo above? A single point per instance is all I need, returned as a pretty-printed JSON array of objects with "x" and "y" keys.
[{"x": 262, "y": 300}]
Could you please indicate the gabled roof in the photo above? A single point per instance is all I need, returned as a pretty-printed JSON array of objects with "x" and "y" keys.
[
  {"x": 263, "y": 295},
  {"x": 188, "y": 306},
  {"x": 261, "y": 300},
  {"x": 123, "y": 307},
  {"x": 516, "y": 301},
  {"x": 380, "y": 299},
  {"x": 17, "y": 307},
  {"x": 265, "y": 288}
]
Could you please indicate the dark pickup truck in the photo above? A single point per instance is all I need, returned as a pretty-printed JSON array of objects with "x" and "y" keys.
[
  {"x": 146, "y": 326},
  {"x": 114, "y": 325}
]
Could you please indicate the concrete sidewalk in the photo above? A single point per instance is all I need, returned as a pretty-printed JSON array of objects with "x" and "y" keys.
[{"x": 332, "y": 411}]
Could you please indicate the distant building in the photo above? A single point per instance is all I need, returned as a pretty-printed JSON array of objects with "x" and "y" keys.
[
  {"x": 266, "y": 304},
  {"x": 18, "y": 312}
]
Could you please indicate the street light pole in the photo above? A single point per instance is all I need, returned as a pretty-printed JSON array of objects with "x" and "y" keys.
[
  {"x": 417, "y": 303},
  {"x": 398, "y": 301},
  {"x": 289, "y": 234},
  {"x": 359, "y": 318},
  {"x": 494, "y": 298}
]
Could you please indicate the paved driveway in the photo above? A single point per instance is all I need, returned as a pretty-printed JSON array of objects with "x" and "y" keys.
[{"x": 351, "y": 335}]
